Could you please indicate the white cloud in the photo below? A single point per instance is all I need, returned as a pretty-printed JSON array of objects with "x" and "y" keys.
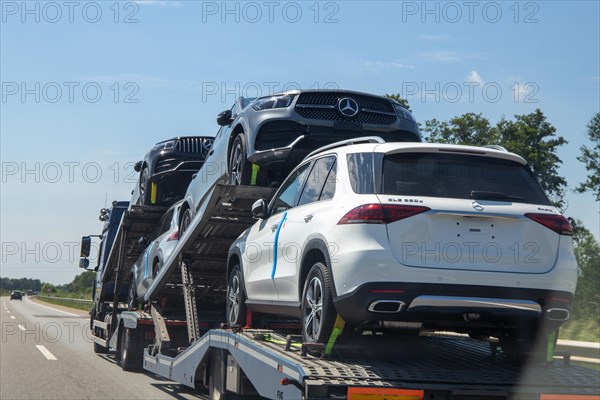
[
  {"x": 434, "y": 38},
  {"x": 377, "y": 64},
  {"x": 474, "y": 77},
  {"x": 439, "y": 56}
]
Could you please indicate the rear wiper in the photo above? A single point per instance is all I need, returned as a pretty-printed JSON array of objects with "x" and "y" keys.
[{"x": 484, "y": 195}]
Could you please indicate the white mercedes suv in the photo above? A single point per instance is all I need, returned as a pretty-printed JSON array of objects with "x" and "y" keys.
[{"x": 446, "y": 237}]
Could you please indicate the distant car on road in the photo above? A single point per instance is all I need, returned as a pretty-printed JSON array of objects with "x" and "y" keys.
[
  {"x": 16, "y": 295},
  {"x": 159, "y": 245},
  {"x": 440, "y": 236},
  {"x": 167, "y": 169}
]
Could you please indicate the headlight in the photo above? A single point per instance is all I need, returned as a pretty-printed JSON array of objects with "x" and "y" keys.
[
  {"x": 267, "y": 103},
  {"x": 169, "y": 144},
  {"x": 403, "y": 113}
]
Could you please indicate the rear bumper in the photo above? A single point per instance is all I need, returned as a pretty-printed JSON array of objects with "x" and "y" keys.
[{"x": 434, "y": 304}]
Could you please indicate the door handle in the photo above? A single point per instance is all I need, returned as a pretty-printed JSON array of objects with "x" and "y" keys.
[
  {"x": 274, "y": 227},
  {"x": 307, "y": 218}
]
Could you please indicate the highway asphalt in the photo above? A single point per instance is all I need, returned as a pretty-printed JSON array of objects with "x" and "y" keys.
[{"x": 46, "y": 353}]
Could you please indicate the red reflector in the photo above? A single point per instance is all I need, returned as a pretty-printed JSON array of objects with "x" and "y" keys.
[
  {"x": 284, "y": 381},
  {"x": 387, "y": 291},
  {"x": 557, "y": 223},
  {"x": 366, "y": 393},
  {"x": 380, "y": 214},
  {"x": 173, "y": 236}
]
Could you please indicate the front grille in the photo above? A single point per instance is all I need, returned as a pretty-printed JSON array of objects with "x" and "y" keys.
[
  {"x": 323, "y": 106},
  {"x": 194, "y": 145}
]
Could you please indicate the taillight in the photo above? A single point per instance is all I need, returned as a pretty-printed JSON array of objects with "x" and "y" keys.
[
  {"x": 380, "y": 214},
  {"x": 557, "y": 223},
  {"x": 173, "y": 236}
]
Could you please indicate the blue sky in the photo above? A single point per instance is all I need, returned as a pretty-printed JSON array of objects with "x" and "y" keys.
[{"x": 87, "y": 90}]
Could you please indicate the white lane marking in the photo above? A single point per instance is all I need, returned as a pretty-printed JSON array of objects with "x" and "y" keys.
[
  {"x": 8, "y": 311},
  {"x": 21, "y": 327},
  {"x": 13, "y": 317},
  {"x": 53, "y": 309},
  {"x": 45, "y": 352}
]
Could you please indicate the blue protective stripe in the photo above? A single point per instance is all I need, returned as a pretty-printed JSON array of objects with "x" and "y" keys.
[{"x": 275, "y": 244}]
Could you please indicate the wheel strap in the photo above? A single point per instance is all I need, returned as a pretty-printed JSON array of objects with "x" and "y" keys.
[{"x": 338, "y": 327}]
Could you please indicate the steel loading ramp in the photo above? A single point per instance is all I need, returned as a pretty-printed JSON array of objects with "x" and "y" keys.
[{"x": 204, "y": 246}]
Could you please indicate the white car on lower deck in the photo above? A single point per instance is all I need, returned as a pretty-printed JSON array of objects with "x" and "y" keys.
[{"x": 445, "y": 236}]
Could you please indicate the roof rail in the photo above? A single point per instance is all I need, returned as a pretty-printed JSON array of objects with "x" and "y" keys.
[
  {"x": 495, "y": 147},
  {"x": 365, "y": 139}
]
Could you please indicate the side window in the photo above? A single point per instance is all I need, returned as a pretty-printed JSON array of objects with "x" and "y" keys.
[
  {"x": 329, "y": 187},
  {"x": 288, "y": 194},
  {"x": 163, "y": 225},
  {"x": 316, "y": 180}
]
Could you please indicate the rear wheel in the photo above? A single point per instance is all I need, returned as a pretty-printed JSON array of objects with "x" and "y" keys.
[
  {"x": 318, "y": 313},
  {"x": 131, "y": 350},
  {"x": 240, "y": 170},
  {"x": 236, "y": 300},
  {"x": 216, "y": 378},
  {"x": 132, "y": 303}
]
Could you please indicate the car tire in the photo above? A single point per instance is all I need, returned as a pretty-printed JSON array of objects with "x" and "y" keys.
[
  {"x": 236, "y": 299},
  {"x": 186, "y": 220},
  {"x": 132, "y": 303},
  {"x": 131, "y": 350},
  {"x": 143, "y": 187},
  {"x": 318, "y": 313},
  {"x": 240, "y": 170}
]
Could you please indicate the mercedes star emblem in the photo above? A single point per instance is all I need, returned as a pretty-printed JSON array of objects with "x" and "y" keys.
[{"x": 348, "y": 107}]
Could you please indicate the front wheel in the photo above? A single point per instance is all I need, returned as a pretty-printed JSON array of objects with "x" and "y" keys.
[
  {"x": 240, "y": 170},
  {"x": 143, "y": 189},
  {"x": 318, "y": 313},
  {"x": 236, "y": 300},
  {"x": 186, "y": 219}
]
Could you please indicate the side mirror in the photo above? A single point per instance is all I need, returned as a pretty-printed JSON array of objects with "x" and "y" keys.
[
  {"x": 137, "y": 167},
  {"x": 86, "y": 244},
  {"x": 224, "y": 118},
  {"x": 143, "y": 242},
  {"x": 259, "y": 209},
  {"x": 84, "y": 263}
]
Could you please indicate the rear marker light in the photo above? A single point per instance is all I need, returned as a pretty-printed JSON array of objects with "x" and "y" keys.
[
  {"x": 557, "y": 223},
  {"x": 380, "y": 214}
]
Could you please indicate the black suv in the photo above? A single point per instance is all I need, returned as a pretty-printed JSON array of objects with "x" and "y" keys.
[{"x": 167, "y": 169}]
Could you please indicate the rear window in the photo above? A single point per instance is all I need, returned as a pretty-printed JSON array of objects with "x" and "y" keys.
[{"x": 460, "y": 176}]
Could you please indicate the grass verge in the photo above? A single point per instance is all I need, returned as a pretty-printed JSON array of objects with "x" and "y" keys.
[{"x": 71, "y": 303}]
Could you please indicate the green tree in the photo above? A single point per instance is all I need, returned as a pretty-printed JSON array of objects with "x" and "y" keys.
[
  {"x": 399, "y": 99},
  {"x": 591, "y": 158},
  {"x": 48, "y": 288},
  {"x": 468, "y": 129},
  {"x": 83, "y": 282},
  {"x": 533, "y": 137},
  {"x": 587, "y": 253}
]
